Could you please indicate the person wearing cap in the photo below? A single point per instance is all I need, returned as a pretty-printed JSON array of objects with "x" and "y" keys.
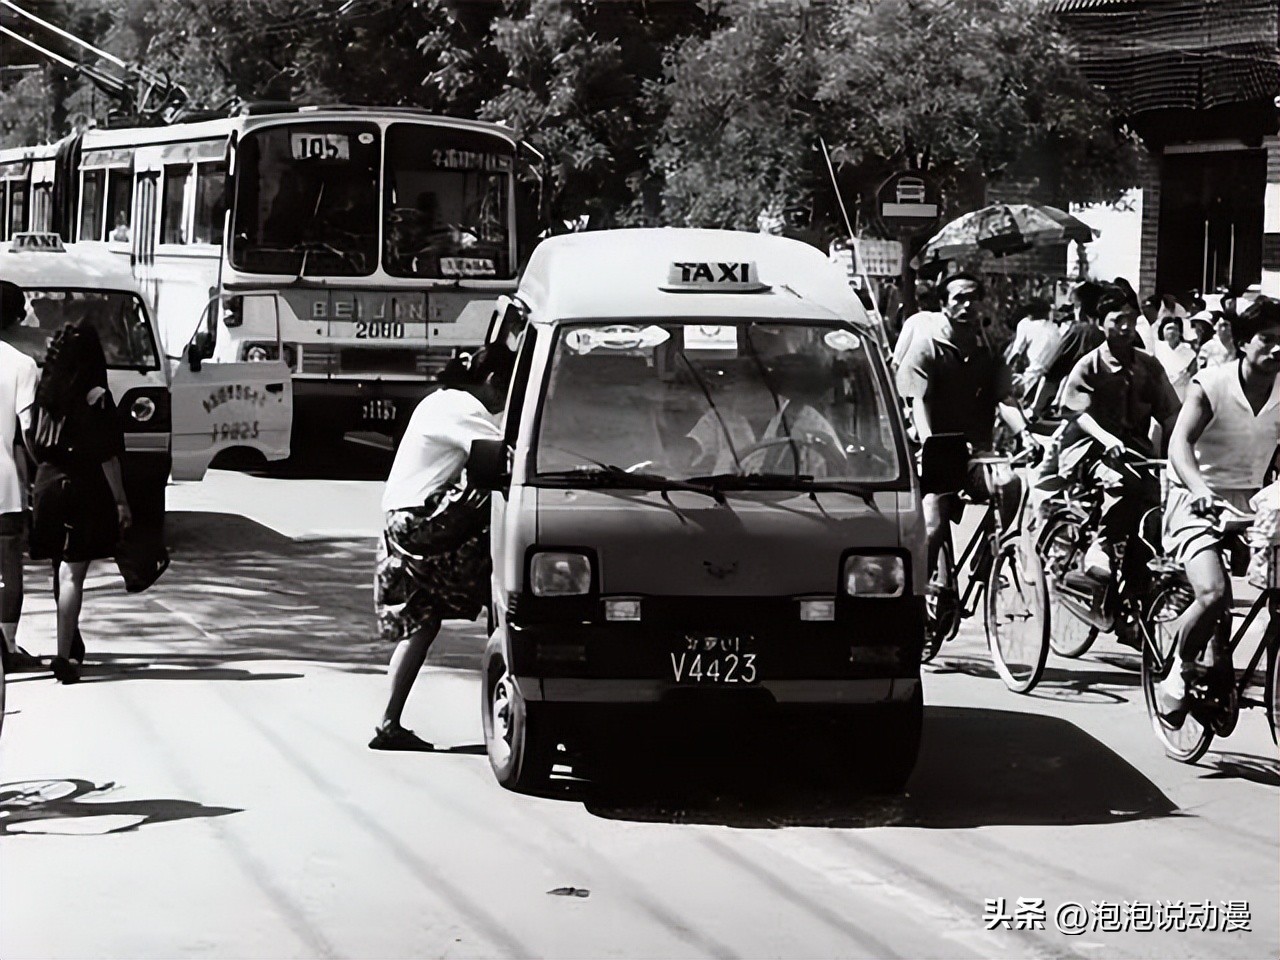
[
  {"x": 18, "y": 378},
  {"x": 954, "y": 382},
  {"x": 1222, "y": 447},
  {"x": 1221, "y": 347},
  {"x": 1176, "y": 355},
  {"x": 432, "y": 518},
  {"x": 1116, "y": 392}
]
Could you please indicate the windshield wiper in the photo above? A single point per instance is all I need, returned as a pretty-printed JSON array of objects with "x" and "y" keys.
[
  {"x": 611, "y": 475},
  {"x": 788, "y": 481}
]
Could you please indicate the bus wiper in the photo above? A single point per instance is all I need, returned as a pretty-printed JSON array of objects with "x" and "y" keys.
[{"x": 611, "y": 475}]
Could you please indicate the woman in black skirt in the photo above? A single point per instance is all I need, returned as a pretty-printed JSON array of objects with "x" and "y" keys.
[
  {"x": 78, "y": 500},
  {"x": 433, "y": 559}
]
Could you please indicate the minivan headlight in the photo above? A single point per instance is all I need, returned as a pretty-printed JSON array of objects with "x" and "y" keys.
[
  {"x": 559, "y": 574},
  {"x": 874, "y": 575}
]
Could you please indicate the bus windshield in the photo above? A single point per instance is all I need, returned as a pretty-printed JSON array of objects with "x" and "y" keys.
[
  {"x": 118, "y": 317},
  {"x": 307, "y": 200},
  {"x": 447, "y": 196},
  {"x": 766, "y": 403}
]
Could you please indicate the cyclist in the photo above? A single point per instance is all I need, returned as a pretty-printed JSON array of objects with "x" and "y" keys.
[
  {"x": 954, "y": 382},
  {"x": 1116, "y": 391},
  {"x": 1222, "y": 446}
]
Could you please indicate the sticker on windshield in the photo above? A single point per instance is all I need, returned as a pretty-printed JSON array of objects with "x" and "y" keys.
[
  {"x": 842, "y": 340},
  {"x": 583, "y": 340},
  {"x": 702, "y": 336},
  {"x": 467, "y": 267},
  {"x": 365, "y": 138}
]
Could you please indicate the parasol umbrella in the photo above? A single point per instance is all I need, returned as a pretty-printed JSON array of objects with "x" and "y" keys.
[{"x": 1003, "y": 228}]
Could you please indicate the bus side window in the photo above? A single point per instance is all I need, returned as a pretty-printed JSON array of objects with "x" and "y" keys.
[
  {"x": 119, "y": 204},
  {"x": 91, "y": 201},
  {"x": 211, "y": 183},
  {"x": 173, "y": 228},
  {"x": 4, "y": 210}
]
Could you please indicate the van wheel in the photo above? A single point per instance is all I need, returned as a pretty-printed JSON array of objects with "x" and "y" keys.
[
  {"x": 881, "y": 744},
  {"x": 515, "y": 732}
]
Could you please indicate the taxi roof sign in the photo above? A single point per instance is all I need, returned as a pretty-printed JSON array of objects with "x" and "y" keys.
[
  {"x": 696, "y": 276},
  {"x": 42, "y": 242}
]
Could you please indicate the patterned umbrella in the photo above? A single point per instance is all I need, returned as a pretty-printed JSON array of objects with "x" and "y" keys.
[{"x": 1006, "y": 228}]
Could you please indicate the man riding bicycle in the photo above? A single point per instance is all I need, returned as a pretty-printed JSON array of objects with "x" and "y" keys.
[
  {"x": 954, "y": 381},
  {"x": 1116, "y": 392},
  {"x": 1223, "y": 444}
]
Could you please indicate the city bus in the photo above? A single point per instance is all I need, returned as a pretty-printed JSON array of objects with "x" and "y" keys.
[{"x": 360, "y": 246}]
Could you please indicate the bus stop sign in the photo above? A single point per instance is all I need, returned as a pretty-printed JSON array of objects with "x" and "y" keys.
[{"x": 908, "y": 204}]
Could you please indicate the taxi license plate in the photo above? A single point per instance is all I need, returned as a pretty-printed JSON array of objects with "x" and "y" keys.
[
  {"x": 714, "y": 660},
  {"x": 379, "y": 411}
]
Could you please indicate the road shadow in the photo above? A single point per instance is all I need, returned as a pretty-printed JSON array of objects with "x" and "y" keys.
[
  {"x": 977, "y": 768},
  {"x": 1242, "y": 766},
  {"x": 1076, "y": 684},
  {"x": 73, "y": 807},
  {"x": 237, "y": 590}
]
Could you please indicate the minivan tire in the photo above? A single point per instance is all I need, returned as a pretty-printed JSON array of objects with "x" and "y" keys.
[{"x": 516, "y": 736}]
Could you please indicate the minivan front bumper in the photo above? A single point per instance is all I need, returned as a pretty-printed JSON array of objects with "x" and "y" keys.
[{"x": 869, "y": 654}]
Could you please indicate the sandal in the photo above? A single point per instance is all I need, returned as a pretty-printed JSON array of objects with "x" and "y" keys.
[
  {"x": 19, "y": 660},
  {"x": 66, "y": 671},
  {"x": 398, "y": 738}
]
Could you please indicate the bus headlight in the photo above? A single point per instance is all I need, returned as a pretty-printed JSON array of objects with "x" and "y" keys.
[
  {"x": 556, "y": 574},
  {"x": 142, "y": 409},
  {"x": 874, "y": 575}
]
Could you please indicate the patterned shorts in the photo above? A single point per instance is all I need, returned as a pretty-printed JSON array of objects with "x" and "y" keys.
[{"x": 407, "y": 595}]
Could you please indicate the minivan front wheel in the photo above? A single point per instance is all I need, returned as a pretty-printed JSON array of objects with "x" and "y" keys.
[{"x": 514, "y": 736}]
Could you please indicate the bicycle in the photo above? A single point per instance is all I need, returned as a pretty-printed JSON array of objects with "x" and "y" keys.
[
  {"x": 1082, "y": 606},
  {"x": 1216, "y": 697},
  {"x": 1010, "y": 580}
]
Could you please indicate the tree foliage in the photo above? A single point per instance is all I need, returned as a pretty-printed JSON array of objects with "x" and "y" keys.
[{"x": 717, "y": 106}]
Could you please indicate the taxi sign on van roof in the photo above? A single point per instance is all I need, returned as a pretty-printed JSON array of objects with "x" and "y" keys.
[
  {"x": 32, "y": 242},
  {"x": 695, "y": 276}
]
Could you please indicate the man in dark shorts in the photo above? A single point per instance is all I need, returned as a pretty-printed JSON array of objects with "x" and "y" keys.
[
  {"x": 18, "y": 377},
  {"x": 954, "y": 382},
  {"x": 1116, "y": 392}
]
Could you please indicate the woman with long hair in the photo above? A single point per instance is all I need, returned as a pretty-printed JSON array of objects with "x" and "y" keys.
[{"x": 79, "y": 508}]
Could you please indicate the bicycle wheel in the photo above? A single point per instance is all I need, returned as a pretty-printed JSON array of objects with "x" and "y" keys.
[
  {"x": 1062, "y": 550},
  {"x": 941, "y": 605},
  {"x": 1017, "y": 618},
  {"x": 1189, "y": 742},
  {"x": 1273, "y": 679}
]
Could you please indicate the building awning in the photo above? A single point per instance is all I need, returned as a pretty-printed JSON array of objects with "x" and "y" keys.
[{"x": 1153, "y": 55}]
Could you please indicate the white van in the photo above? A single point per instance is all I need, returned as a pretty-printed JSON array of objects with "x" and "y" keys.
[
  {"x": 171, "y": 424},
  {"x": 704, "y": 498}
]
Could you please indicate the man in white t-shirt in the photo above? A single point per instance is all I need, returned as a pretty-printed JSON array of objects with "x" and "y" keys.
[{"x": 18, "y": 377}]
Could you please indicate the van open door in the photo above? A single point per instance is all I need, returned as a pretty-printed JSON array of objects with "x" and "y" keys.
[{"x": 223, "y": 405}]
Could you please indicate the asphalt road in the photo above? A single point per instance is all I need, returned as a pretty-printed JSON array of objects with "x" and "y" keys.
[{"x": 206, "y": 791}]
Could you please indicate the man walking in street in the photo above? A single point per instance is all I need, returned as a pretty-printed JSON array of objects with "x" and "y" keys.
[{"x": 18, "y": 377}]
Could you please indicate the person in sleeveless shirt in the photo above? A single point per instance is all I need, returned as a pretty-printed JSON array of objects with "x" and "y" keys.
[{"x": 1222, "y": 446}]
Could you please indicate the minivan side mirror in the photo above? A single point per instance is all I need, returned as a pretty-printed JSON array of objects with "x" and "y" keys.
[
  {"x": 488, "y": 465},
  {"x": 200, "y": 349},
  {"x": 944, "y": 463}
]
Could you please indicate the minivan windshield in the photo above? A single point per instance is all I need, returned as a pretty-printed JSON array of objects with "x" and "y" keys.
[
  {"x": 726, "y": 404},
  {"x": 118, "y": 316}
]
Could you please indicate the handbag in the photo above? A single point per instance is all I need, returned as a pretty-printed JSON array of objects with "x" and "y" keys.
[{"x": 141, "y": 557}]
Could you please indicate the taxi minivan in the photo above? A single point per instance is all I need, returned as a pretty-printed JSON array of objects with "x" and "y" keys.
[
  {"x": 175, "y": 423},
  {"x": 703, "y": 497},
  {"x": 64, "y": 287}
]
